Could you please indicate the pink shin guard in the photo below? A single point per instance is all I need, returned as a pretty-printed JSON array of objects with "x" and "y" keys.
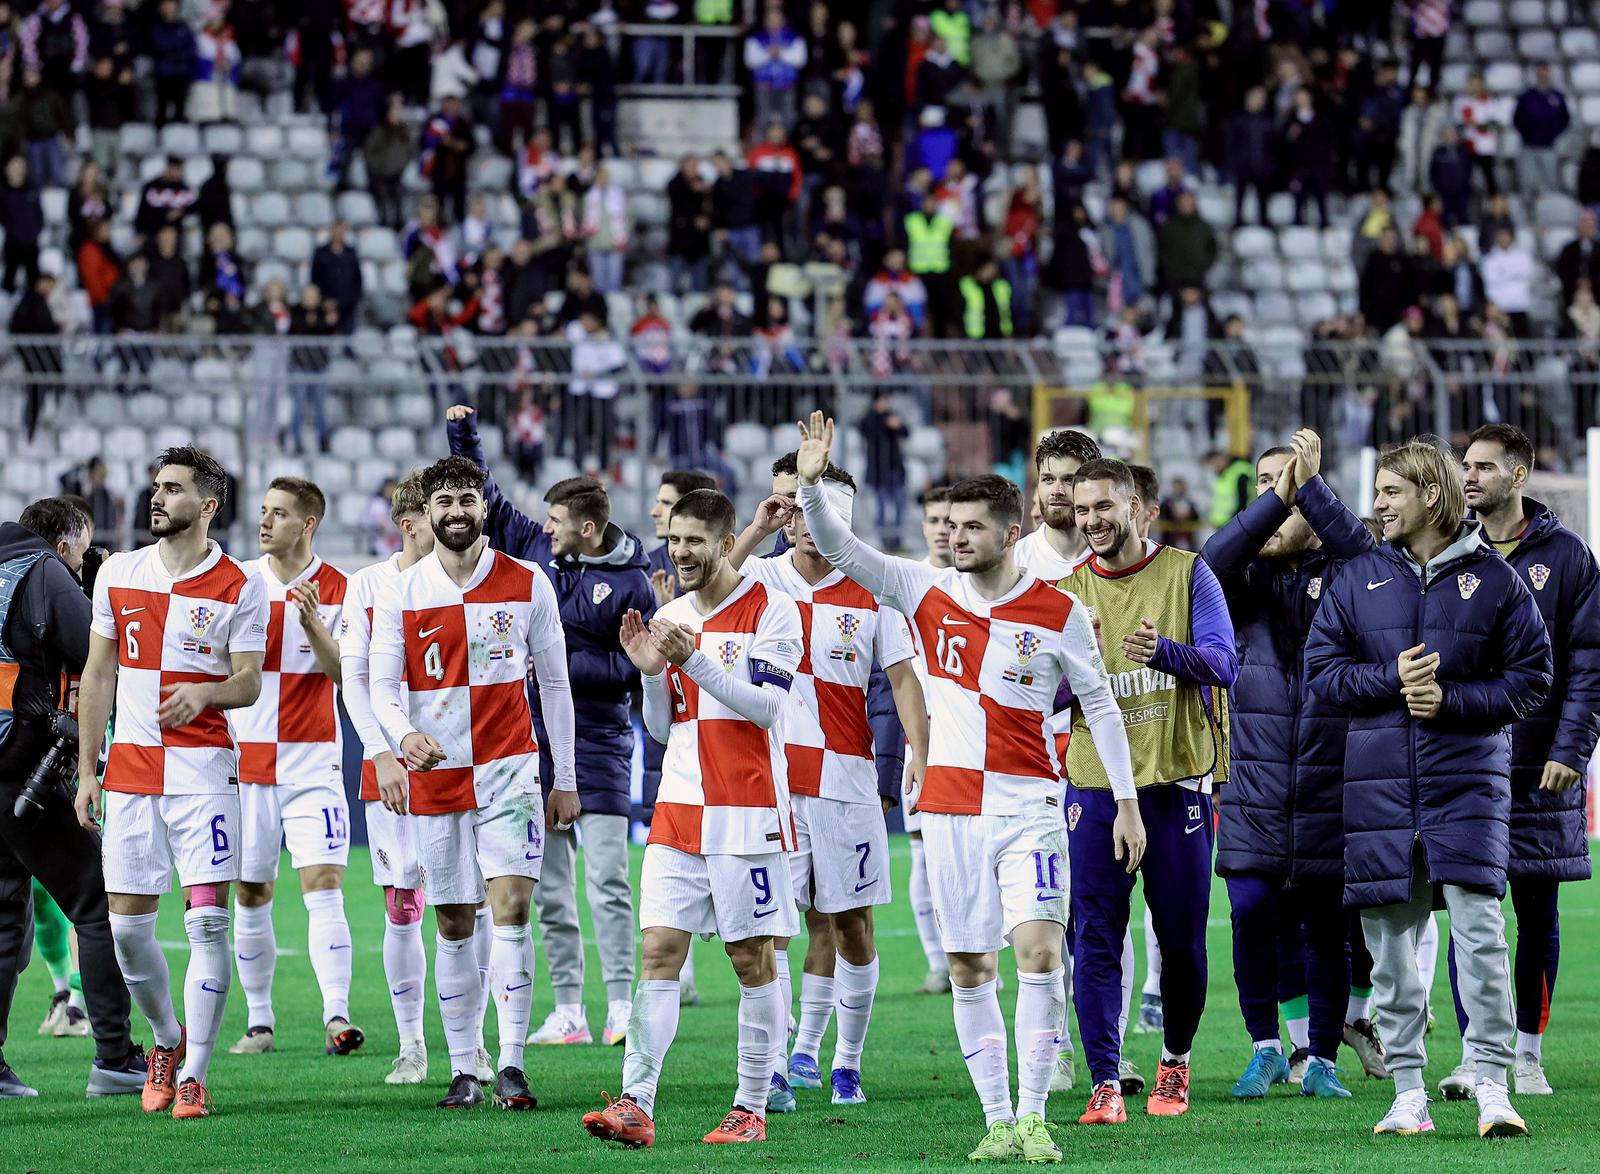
[
  {"x": 405, "y": 906},
  {"x": 204, "y": 896}
]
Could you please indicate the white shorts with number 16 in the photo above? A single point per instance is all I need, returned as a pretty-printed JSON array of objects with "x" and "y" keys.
[{"x": 991, "y": 873}]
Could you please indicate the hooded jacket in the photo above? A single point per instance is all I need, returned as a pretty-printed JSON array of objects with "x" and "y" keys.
[
  {"x": 592, "y": 592},
  {"x": 47, "y": 633},
  {"x": 1443, "y": 783},
  {"x": 1282, "y": 808},
  {"x": 1549, "y": 832}
]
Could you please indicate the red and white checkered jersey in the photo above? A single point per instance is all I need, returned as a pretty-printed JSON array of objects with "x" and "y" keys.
[
  {"x": 724, "y": 780},
  {"x": 291, "y": 734},
  {"x": 173, "y": 631},
  {"x": 827, "y": 737},
  {"x": 355, "y": 640},
  {"x": 1036, "y": 557},
  {"x": 990, "y": 672},
  {"x": 466, "y": 652}
]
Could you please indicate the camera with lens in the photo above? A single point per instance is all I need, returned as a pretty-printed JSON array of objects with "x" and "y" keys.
[
  {"x": 51, "y": 779},
  {"x": 93, "y": 559}
]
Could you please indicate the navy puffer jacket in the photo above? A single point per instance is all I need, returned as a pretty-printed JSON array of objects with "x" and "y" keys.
[
  {"x": 1444, "y": 782},
  {"x": 1282, "y": 807},
  {"x": 1550, "y": 832}
]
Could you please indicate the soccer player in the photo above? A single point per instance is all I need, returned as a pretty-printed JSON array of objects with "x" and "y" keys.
[
  {"x": 291, "y": 790},
  {"x": 1280, "y": 843},
  {"x": 452, "y": 641},
  {"x": 1168, "y": 639},
  {"x": 1551, "y": 747},
  {"x": 1055, "y": 548},
  {"x": 178, "y": 637},
  {"x": 717, "y": 664},
  {"x": 1150, "y": 1020},
  {"x": 1433, "y": 645},
  {"x": 390, "y": 835},
  {"x": 840, "y": 861},
  {"x": 53, "y": 934},
  {"x": 996, "y": 643},
  {"x": 598, "y": 572},
  {"x": 936, "y": 535}
]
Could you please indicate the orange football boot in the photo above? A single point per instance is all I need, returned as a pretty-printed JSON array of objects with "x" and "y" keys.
[
  {"x": 161, "y": 1078},
  {"x": 740, "y": 1125},
  {"x": 623, "y": 1122},
  {"x": 1170, "y": 1097},
  {"x": 1105, "y": 1106},
  {"x": 193, "y": 1101}
]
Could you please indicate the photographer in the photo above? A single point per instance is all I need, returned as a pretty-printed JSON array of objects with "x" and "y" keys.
[{"x": 44, "y": 636}]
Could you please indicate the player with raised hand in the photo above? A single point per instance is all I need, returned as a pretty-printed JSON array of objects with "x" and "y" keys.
[
  {"x": 717, "y": 663},
  {"x": 290, "y": 751},
  {"x": 996, "y": 644},
  {"x": 452, "y": 641},
  {"x": 178, "y": 637},
  {"x": 840, "y": 860}
]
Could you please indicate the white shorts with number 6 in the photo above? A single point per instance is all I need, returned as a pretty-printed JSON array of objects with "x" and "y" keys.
[
  {"x": 992, "y": 873},
  {"x": 841, "y": 855},
  {"x": 313, "y": 819},
  {"x": 734, "y": 897},
  {"x": 148, "y": 836},
  {"x": 461, "y": 850}
]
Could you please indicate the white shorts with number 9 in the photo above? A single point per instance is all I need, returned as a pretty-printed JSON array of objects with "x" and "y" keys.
[
  {"x": 148, "y": 836},
  {"x": 734, "y": 897}
]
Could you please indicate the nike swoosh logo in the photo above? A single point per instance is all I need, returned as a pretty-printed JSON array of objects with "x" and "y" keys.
[
  {"x": 215, "y": 990},
  {"x": 249, "y": 957},
  {"x": 447, "y": 998},
  {"x": 426, "y": 632},
  {"x": 868, "y": 885},
  {"x": 216, "y": 860},
  {"x": 520, "y": 987},
  {"x": 969, "y": 1055},
  {"x": 1371, "y": 586},
  {"x": 346, "y": 946},
  {"x": 403, "y": 990},
  {"x": 1191, "y": 831},
  {"x": 532, "y": 856},
  {"x": 951, "y": 623},
  {"x": 128, "y": 611},
  {"x": 854, "y": 1006},
  {"x": 768, "y": 913},
  {"x": 1047, "y": 897}
]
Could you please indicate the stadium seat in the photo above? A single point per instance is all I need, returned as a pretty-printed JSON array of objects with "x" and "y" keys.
[
  {"x": 746, "y": 440},
  {"x": 222, "y": 138},
  {"x": 264, "y": 141},
  {"x": 1491, "y": 44},
  {"x": 271, "y": 209},
  {"x": 290, "y": 174},
  {"x": 1273, "y": 306},
  {"x": 307, "y": 142},
  {"x": 180, "y": 138},
  {"x": 1556, "y": 210},
  {"x": 358, "y": 208},
  {"x": 136, "y": 140},
  {"x": 1300, "y": 244},
  {"x": 1525, "y": 13},
  {"x": 1263, "y": 273},
  {"x": 1579, "y": 46},
  {"x": 313, "y": 210},
  {"x": 1503, "y": 77},
  {"x": 377, "y": 243},
  {"x": 1314, "y": 307},
  {"x": 246, "y": 174},
  {"x": 1537, "y": 44},
  {"x": 1483, "y": 14},
  {"x": 1251, "y": 242},
  {"x": 293, "y": 242}
]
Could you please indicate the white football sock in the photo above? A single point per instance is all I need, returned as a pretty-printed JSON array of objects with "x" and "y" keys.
[
  {"x": 981, "y": 1031},
  {"x": 205, "y": 986},
  {"x": 1152, "y": 957},
  {"x": 255, "y": 949},
  {"x": 686, "y": 971},
  {"x": 1530, "y": 1044},
  {"x": 785, "y": 988},
  {"x": 455, "y": 978},
  {"x": 1428, "y": 954},
  {"x": 1064, "y": 1044},
  {"x": 511, "y": 964},
  {"x": 1299, "y": 1031},
  {"x": 763, "y": 1029},
  {"x": 405, "y": 965},
  {"x": 328, "y": 940},
  {"x": 922, "y": 909},
  {"x": 816, "y": 1008},
  {"x": 1040, "y": 1014},
  {"x": 482, "y": 943},
  {"x": 1359, "y": 1007},
  {"x": 144, "y": 970},
  {"x": 856, "y": 986},
  {"x": 651, "y": 1030},
  {"x": 1127, "y": 987},
  {"x": 1173, "y": 1057}
]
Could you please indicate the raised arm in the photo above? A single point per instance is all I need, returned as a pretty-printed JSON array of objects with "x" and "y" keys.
[{"x": 509, "y": 529}]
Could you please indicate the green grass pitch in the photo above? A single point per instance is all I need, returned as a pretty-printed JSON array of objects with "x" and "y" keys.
[{"x": 300, "y": 1110}]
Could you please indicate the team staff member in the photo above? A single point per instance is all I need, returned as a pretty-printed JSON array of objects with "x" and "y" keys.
[
  {"x": 44, "y": 632},
  {"x": 1168, "y": 639},
  {"x": 1551, "y": 747},
  {"x": 598, "y": 571},
  {"x": 1434, "y": 647},
  {"x": 1280, "y": 842}
]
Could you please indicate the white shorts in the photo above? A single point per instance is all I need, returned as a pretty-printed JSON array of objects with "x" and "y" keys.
[
  {"x": 313, "y": 819},
  {"x": 458, "y": 852},
  {"x": 841, "y": 855},
  {"x": 733, "y": 897},
  {"x": 913, "y": 820},
  {"x": 992, "y": 873},
  {"x": 393, "y": 840},
  {"x": 147, "y": 836}
]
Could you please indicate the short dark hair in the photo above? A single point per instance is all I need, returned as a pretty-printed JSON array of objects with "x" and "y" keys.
[
  {"x": 452, "y": 473},
  {"x": 1277, "y": 450},
  {"x": 688, "y": 480},
  {"x": 55, "y": 519},
  {"x": 209, "y": 476},
  {"x": 1513, "y": 440},
  {"x": 308, "y": 499},
  {"x": 1066, "y": 442},
  {"x": 1145, "y": 483},
  {"x": 710, "y": 506},
  {"x": 789, "y": 463},
  {"x": 408, "y": 498},
  {"x": 1107, "y": 469},
  {"x": 934, "y": 495},
  {"x": 1002, "y": 497},
  {"x": 585, "y": 498}
]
